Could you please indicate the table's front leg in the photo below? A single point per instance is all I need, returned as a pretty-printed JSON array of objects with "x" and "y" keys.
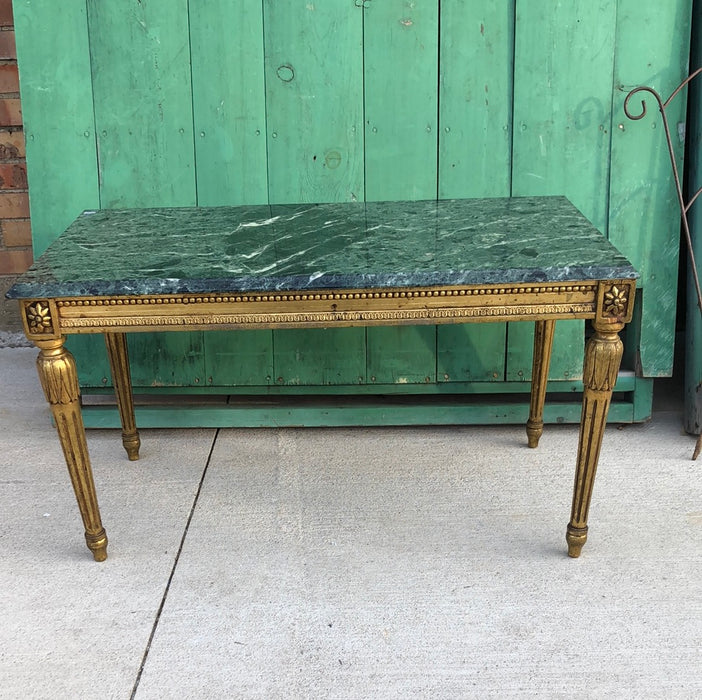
[
  {"x": 57, "y": 373},
  {"x": 603, "y": 355},
  {"x": 119, "y": 364},
  {"x": 543, "y": 344}
]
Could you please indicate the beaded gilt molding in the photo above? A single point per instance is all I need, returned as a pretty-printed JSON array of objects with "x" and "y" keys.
[{"x": 607, "y": 300}]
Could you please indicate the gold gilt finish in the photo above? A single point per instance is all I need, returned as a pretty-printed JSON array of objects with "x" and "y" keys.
[
  {"x": 608, "y": 303},
  {"x": 324, "y": 308},
  {"x": 119, "y": 364},
  {"x": 39, "y": 318},
  {"x": 603, "y": 355},
  {"x": 543, "y": 343},
  {"x": 57, "y": 372},
  {"x": 329, "y": 308},
  {"x": 616, "y": 301}
]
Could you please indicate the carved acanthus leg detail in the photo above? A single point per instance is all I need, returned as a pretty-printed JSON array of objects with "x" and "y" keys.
[
  {"x": 119, "y": 364},
  {"x": 57, "y": 373},
  {"x": 543, "y": 342},
  {"x": 603, "y": 355}
]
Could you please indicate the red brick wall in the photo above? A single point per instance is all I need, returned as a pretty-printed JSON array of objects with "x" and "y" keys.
[{"x": 15, "y": 231}]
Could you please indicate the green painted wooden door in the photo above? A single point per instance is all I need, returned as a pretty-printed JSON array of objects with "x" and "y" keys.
[{"x": 209, "y": 102}]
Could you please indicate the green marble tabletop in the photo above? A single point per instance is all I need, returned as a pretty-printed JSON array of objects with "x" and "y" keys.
[{"x": 324, "y": 246}]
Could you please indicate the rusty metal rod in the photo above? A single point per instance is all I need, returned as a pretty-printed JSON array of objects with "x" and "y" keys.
[{"x": 684, "y": 206}]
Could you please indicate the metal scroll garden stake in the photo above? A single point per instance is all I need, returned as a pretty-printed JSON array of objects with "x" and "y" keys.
[{"x": 684, "y": 206}]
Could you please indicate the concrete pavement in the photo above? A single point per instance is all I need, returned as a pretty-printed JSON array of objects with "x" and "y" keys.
[{"x": 348, "y": 563}]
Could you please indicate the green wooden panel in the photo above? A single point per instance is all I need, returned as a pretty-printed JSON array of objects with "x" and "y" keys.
[
  {"x": 327, "y": 356},
  {"x": 166, "y": 359},
  {"x": 400, "y": 58},
  {"x": 471, "y": 352},
  {"x": 229, "y": 112},
  {"x": 314, "y": 99},
  {"x": 475, "y": 141},
  {"x": 91, "y": 359},
  {"x": 643, "y": 400},
  {"x": 562, "y": 102},
  {"x": 156, "y": 360},
  {"x": 57, "y": 109},
  {"x": 314, "y": 103},
  {"x": 562, "y": 121},
  {"x": 475, "y": 99},
  {"x": 236, "y": 358},
  {"x": 143, "y": 114},
  {"x": 402, "y": 355},
  {"x": 229, "y": 107},
  {"x": 652, "y": 49},
  {"x": 143, "y": 102},
  {"x": 566, "y": 357}
]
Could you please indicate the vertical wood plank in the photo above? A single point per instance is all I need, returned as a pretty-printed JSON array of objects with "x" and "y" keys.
[
  {"x": 471, "y": 353},
  {"x": 562, "y": 115},
  {"x": 143, "y": 102},
  {"x": 401, "y": 355},
  {"x": 169, "y": 359},
  {"x": 229, "y": 113},
  {"x": 91, "y": 359},
  {"x": 238, "y": 358},
  {"x": 566, "y": 356},
  {"x": 314, "y": 101},
  {"x": 57, "y": 109},
  {"x": 652, "y": 49},
  {"x": 475, "y": 142},
  {"x": 475, "y": 90},
  {"x": 401, "y": 103},
  {"x": 144, "y": 120},
  {"x": 562, "y": 102},
  {"x": 314, "y": 106},
  {"x": 326, "y": 357},
  {"x": 401, "y": 100},
  {"x": 229, "y": 105}
]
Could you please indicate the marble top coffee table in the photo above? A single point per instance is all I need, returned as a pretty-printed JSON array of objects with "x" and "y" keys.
[{"x": 303, "y": 266}]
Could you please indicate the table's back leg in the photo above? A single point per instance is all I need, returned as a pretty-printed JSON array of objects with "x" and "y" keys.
[
  {"x": 57, "y": 373},
  {"x": 543, "y": 343},
  {"x": 119, "y": 364},
  {"x": 603, "y": 355}
]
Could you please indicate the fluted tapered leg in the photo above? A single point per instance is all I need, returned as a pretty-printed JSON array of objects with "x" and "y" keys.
[
  {"x": 603, "y": 355},
  {"x": 57, "y": 373},
  {"x": 119, "y": 364},
  {"x": 543, "y": 343}
]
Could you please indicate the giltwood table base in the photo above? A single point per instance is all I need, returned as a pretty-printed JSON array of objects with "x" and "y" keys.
[{"x": 607, "y": 303}]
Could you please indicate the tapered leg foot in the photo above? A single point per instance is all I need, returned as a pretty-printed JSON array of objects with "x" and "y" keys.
[
  {"x": 576, "y": 538},
  {"x": 603, "y": 355},
  {"x": 131, "y": 443},
  {"x": 534, "y": 430},
  {"x": 57, "y": 373},
  {"x": 119, "y": 364},
  {"x": 543, "y": 343},
  {"x": 97, "y": 544}
]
